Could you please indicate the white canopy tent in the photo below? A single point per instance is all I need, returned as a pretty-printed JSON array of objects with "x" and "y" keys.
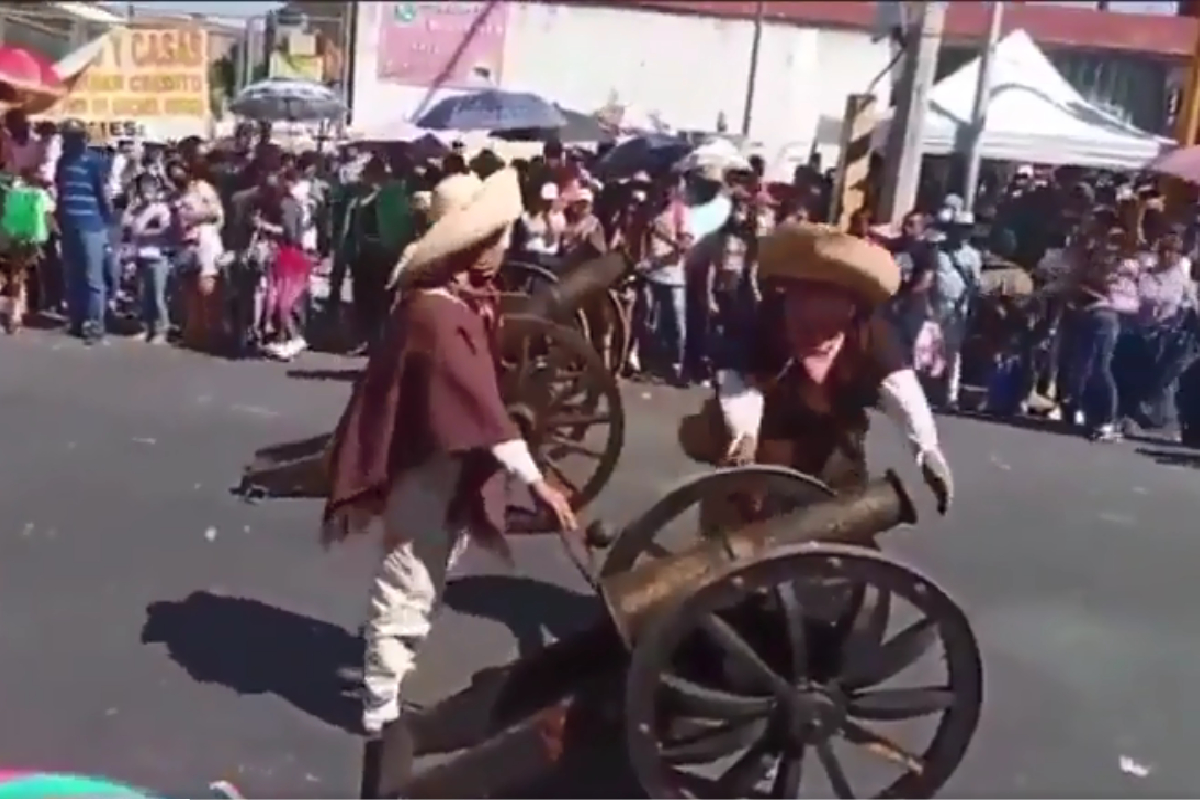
[{"x": 1034, "y": 115}]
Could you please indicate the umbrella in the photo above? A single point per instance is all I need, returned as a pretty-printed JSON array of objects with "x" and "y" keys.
[
  {"x": 719, "y": 153},
  {"x": 653, "y": 153},
  {"x": 492, "y": 110},
  {"x": 25, "y": 75},
  {"x": 579, "y": 128},
  {"x": 287, "y": 100},
  {"x": 1182, "y": 163}
]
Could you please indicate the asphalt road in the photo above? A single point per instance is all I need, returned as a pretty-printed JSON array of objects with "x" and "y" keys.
[{"x": 1074, "y": 561}]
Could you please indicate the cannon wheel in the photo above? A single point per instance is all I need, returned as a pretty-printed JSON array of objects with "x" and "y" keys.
[
  {"x": 638, "y": 539},
  {"x": 616, "y": 334},
  {"x": 565, "y": 402},
  {"x": 774, "y": 705}
]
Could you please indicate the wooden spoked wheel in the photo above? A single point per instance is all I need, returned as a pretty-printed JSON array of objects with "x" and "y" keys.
[
  {"x": 772, "y": 680},
  {"x": 565, "y": 402},
  {"x": 608, "y": 328}
]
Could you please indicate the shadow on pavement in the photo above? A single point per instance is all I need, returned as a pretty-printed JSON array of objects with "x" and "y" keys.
[
  {"x": 1172, "y": 457},
  {"x": 255, "y": 648},
  {"x": 527, "y": 607},
  {"x": 1039, "y": 424},
  {"x": 343, "y": 375}
]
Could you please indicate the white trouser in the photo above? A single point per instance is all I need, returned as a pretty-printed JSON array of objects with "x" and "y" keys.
[{"x": 411, "y": 575}]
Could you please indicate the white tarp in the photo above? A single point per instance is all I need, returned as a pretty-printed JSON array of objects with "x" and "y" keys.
[{"x": 1034, "y": 115}]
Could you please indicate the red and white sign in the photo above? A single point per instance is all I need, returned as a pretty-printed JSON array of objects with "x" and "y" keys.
[{"x": 442, "y": 45}]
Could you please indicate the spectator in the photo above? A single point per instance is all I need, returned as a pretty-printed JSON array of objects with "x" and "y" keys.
[
  {"x": 1166, "y": 315},
  {"x": 1106, "y": 286},
  {"x": 84, "y": 218},
  {"x": 147, "y": 221}
]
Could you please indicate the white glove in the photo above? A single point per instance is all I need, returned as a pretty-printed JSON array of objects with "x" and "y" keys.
[{"x": 937, "y": 476}]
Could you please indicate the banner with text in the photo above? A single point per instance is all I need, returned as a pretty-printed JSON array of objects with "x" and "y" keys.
[
  {"x": 147, "y": 82},
  {"x": 450, "y": 45}
]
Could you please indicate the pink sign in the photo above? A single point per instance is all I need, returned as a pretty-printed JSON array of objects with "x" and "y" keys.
[{"x": 446, "y": 44}]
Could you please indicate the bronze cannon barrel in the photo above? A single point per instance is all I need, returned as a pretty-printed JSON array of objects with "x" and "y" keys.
[
  {"x": 576, "y": 284},
  {"x": 855, "y": 518}
]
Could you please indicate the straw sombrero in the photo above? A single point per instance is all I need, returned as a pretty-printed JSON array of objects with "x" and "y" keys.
[
  {"x": 805, "y": 251},
  {"x": 463, "y": 211}
]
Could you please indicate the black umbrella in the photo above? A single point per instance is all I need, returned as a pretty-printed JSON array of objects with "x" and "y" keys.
[
  {"x": 652, "y": 153},
  {"x": 579, "y": 128}
]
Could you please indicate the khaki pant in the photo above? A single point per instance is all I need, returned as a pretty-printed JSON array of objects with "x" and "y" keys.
[{"x": 411, "y": 576}]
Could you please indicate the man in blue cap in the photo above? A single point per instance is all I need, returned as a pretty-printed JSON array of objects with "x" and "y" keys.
[{"x": 85, "y": 214}]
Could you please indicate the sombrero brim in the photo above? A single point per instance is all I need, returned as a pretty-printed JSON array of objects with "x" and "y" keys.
[
  {"x": 494, "y": 207},
  {"x": 820, "y": 253}
]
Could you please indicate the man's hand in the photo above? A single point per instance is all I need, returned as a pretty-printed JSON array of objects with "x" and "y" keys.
[
  {"x": 553, "y": 499},
  {"x": 936, "y": 473},
  {"x": 741, "y": 452}
]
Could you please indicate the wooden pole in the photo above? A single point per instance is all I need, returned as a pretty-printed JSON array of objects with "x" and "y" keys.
[{"x": 850, "y": 178}]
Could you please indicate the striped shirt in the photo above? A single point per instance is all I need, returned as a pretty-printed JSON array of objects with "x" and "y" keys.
[{"x": 82, "y": 187}]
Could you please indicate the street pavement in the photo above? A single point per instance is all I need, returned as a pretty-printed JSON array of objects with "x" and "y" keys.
[{"x": 156, "y": 629}]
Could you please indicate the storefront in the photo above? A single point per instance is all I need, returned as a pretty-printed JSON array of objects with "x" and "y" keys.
[{"x": 146, "y": 83}]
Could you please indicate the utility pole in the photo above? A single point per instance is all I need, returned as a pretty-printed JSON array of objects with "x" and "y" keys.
[
  {"x": 906, "y": 132},
  {"x": 760, "y": 11},
  {"x": 979, "y": 109}
]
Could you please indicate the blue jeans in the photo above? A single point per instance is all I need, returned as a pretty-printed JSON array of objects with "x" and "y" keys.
[
  {"x": 84, "y": 265},
  {"x": 155, "y": 274},
  {"x": 1091, "y": 370},
  {"x": 664, "y": 329},
  {"x": 1158, "y": 357},
  {"x": 112, "y": 272}
]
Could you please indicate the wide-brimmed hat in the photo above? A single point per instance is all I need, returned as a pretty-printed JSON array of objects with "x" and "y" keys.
[
  {"x": 464, "y": 211},
  {"x": 810, "y": 252}
]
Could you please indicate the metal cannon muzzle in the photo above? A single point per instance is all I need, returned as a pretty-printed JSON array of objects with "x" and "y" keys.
[
  {"x": 576, "y": 284},
  {"x": 856, "y": 518}
]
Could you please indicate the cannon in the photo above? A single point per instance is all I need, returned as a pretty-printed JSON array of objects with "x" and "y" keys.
[
  {"x": 557, "y": 388},
  {"x": 750, "y": 663},
  {"x": 592, "y": 296}
]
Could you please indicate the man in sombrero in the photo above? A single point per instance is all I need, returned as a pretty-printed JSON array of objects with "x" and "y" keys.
[
  {"x": 817, "y": 358},
  {"x": 425, "y": 442}
]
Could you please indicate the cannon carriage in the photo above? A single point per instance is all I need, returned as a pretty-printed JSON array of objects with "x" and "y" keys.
[{"x": 745, "y": 664}]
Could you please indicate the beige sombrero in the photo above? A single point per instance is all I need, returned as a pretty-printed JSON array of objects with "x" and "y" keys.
[
  {"x": 805, "y": 251},
  {"x": 463, "y": 211}
]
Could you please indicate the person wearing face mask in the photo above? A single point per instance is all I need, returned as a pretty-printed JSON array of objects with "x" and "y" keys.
[
  {"x": 425, "y": 443},
  {"x": 147, "y": 223},
  {"x": 709, "y": 207},
  {"x": 1165, "y": 330},
  {"x": 542, "y": 223},
  {"x": 798, "y": 391},
  {"x": 582, "y": 235},
  {"x": 956, "y": 285}
]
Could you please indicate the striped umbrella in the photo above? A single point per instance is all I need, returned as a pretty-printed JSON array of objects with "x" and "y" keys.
[{"x": 287, "y": 100}]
